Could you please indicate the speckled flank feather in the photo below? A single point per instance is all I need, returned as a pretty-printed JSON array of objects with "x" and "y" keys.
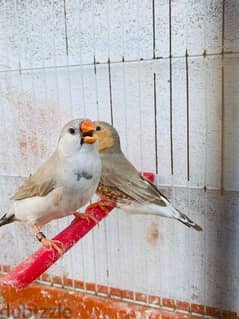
[
  {"x": 4, "y": 220},
  {"x": 112, "y": 193}
]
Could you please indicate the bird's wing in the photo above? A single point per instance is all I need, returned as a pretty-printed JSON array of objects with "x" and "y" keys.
[
  {"x": 119, "y": 174},
  {"x": 39, "y": 184}
]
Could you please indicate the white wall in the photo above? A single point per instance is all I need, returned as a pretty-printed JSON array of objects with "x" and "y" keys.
[{"x": 47, "y": 77}]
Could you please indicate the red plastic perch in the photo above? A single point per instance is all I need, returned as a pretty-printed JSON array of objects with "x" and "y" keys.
[
  {"x": 31, "y": 268},
  {"x": 35, "y": 265}
]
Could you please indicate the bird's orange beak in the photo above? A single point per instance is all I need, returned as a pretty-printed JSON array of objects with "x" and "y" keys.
[{"x": 88, "y": 129}]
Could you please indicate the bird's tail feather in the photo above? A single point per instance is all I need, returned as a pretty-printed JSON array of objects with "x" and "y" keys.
[
  {"x": 4, "y": 220},
  {"x": 188, "y": 222},
  {"x": 175, "y": 213},
  {"x": 165, "y": 211}
]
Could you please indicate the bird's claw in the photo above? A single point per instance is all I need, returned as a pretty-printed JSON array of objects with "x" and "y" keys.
[
  {"x": 53, "y": 244},
  {"x": 86, "y": 216},
  {"x": 104, "y": 205}
]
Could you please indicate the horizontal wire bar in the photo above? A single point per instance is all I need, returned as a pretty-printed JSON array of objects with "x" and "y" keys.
[
  {"x": 198, "y": 187},
  {"x": 204, "y": 55}
]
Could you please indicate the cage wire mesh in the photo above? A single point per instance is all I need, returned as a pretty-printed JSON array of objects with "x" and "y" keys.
[{"x": 166, "y": 74}]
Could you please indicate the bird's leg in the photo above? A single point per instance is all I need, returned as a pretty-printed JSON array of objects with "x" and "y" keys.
[
  {"x": 104, "y": 204},
  {"x": 48, "y": 243},
  {"x": 86, "y": 216}
]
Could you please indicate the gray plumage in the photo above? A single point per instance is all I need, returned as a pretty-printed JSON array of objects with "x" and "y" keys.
[{"x": 121, "y": 182}]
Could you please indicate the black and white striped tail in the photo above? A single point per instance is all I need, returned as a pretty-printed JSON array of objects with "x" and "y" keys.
[
  {"x": 175, "y": 213},
  {"x": 188, "y": 222},
  {"x": 4, "y": 220}
]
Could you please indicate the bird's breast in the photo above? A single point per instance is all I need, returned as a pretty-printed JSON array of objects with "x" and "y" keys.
[{"x": 80, "y": 172}]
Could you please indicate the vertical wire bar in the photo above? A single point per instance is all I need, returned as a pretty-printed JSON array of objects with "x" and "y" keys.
[
  {"x": 205, "y": 191},
  {"x": 140, "y": 112},
  {"x": 95, "y": 69},
  {"x": 81, "y": 67},
  {"x": 106, "y": 228},
  {"x": 65, "y": 25},
  {"x": 138, "y": 42},
  {"x": 155, "y": 122},
  {"x": 84, "y": 106},
  {"x": 21, "y": 85},
  {"x": 170, "y": 85},
  {"x": 153, "y": 28},
  {"x": 127, "y": 147},
  {"x": 94, "y": 259},
  {"x": 83, "y": 89},
  {"x": 110, "y": 92},
  {"x": 112, "y": 123},
  {"x": 96, "y": 90},
  {"x": 138, "y": 66},
  {"x": 188, "y": 116},
  {"x": 106, "y": 254},
  {"x": 43, "y": 62},
  {"x": 83, "y": 264},
  {"x": 19, "y": 45},
  {"x": 69, "y": 86},
  {"x": 67, "y": 59},
  {"x": 222, "y": 101},
  {"x": 98, "y": 118},
  {"x": 171, "y": 108},
  {"x": 125, "y": 104},
  {"x": 57, "y": 101},
  {"x": 36, "y": 115},
  {"x": 16, "y": 237},
  {"x": 125, "y": 120},
  {"x": 109, "y": 65},
  {"x": 108, "y": 26},
  {"x": 36, "y": 111},
  {"x": 71, "y": 110},
  {"x": 188, "y": 185},
  {"x": 46, "y": 100},
  {"x": 6, "y": 74},
  {"x": 125, "y": 117}
]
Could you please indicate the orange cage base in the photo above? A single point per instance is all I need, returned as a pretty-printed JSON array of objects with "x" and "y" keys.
[
  {"x": 44, "y": 301},
  {"x": 49, "y": 302}
]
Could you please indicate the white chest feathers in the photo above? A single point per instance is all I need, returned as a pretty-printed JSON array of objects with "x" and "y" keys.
[
  {"x": 79, "y": 172},
  {"x": 76, "y": 180}
]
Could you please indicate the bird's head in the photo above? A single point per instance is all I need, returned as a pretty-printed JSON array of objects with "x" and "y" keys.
[
  {"x": 108, "y": 138},
  {"x": 77, "y": 134}
]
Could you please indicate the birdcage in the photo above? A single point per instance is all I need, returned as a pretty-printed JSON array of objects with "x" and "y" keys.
[{"x": 165, "y": 74}]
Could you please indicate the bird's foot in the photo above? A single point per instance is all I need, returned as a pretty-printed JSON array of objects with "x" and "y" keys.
[
  {"x": 48, "y": 243},
  {"x": 53, "y": 244},
  {"x": 103, "y": 204},
  {"x": 86, "y": 216}
]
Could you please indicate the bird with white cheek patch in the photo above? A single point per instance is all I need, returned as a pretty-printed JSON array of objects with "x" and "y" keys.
[
  {"x": 121, "y": 183},
  {"x": 64, "y": 183}
]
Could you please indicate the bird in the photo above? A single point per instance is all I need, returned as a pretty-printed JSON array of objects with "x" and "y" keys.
[
  {"x": 122, "y": 186},
  {"x": 61, "y": 185}
]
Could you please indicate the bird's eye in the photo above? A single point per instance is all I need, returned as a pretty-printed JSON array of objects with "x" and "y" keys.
[
  {"x": 98, "y": 128},
  {"x": 72, "y": 130}
]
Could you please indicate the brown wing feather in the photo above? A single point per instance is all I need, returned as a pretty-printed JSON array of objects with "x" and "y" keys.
[
  {"x": 119, "y": 174},
  {"x": 39, "y": 184}
]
